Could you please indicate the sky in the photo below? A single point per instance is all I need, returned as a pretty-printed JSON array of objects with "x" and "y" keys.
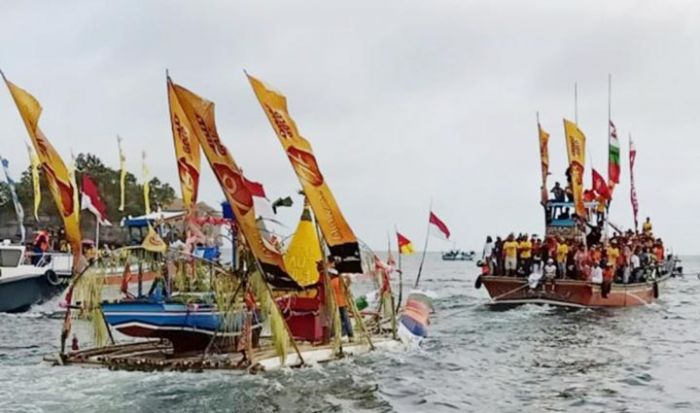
[{"x": 406, "y": 103}]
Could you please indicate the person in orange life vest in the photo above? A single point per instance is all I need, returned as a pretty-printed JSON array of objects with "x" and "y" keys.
[{"x": 339, "y": 293}]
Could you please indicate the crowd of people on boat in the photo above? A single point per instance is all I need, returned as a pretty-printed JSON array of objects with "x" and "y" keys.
[{"x": 627, "y": 257}]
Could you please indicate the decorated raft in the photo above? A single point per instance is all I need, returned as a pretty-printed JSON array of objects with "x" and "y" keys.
[{"x": 275, "y": 305}]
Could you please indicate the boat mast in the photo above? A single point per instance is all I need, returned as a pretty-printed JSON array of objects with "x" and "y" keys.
[
  {"x": 425, "y": 246},
  {"x": 607, "y": 207}
]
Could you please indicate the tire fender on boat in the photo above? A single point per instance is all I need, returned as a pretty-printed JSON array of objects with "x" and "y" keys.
[
  {"x": 477, "y": 283},
  {"x": 52, "y": 277}
]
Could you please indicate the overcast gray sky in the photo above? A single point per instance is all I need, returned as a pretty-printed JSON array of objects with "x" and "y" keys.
[{"x": 403, "y": 101}]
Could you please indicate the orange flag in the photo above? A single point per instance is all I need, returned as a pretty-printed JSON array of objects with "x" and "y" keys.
[
  {"x": 186, "y": 150},
  {"x": 55, "y": 171},
  {"x": 338, "y": 235},
  {"x": 200, "y": 113}
]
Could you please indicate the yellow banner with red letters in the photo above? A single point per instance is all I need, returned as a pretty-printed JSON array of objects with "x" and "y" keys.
[
  {"x": 200, "y": 114},
  {"x": 576, "y": 149},
  {"x": 338, "y": 235},
  {"x": 57, "y": 175},
  {"x": 186, "y": 150}
]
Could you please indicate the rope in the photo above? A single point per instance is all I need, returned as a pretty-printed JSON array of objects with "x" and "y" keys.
[{"x": 510, "y": 292}]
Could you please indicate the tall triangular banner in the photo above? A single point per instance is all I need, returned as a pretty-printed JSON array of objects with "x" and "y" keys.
[{"x": 336, "y": 231}]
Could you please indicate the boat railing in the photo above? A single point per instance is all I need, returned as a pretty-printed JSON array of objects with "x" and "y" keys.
[{"x": 59, "y": 262}]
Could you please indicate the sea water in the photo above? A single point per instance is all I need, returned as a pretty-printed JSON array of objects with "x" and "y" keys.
[{"x": 527, "y": 359}]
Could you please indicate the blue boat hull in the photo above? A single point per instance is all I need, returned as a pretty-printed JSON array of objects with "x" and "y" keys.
[
  {"x": 188, "y": 327},
  {"x": 19, "y": 295}
]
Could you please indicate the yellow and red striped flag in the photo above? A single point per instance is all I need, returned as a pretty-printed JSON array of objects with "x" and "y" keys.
[{"x": 405, "y": 245}]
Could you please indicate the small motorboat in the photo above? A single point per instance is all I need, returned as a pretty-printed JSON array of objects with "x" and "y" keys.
[
  {"x": 458, "y": 255},
  {"x": 23, "y": 285}
]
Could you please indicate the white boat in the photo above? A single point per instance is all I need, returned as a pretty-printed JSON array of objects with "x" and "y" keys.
[{"x": 23, "y": 285}]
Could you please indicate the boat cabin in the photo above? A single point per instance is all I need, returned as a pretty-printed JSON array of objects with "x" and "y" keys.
[{"x": 560, "y": 218}]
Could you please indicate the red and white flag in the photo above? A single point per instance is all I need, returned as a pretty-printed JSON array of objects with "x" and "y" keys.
[
  {"x": 633, "y": 190},
  {"x": 255, "y": 188},
  {"x": 442, "y": 230},
  {"x": 600, "y": 186},
  {"x": 90, "y": 200}
]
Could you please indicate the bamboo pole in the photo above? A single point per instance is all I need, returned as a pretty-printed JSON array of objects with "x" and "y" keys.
[{"x": 425, "y": 246}]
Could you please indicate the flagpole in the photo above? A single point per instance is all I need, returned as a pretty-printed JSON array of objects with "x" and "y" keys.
[
  {"x": 398, "y": 247},
  {"x": 97, "y": 233},
  {"x": 607, "y": 207},
  {"x": 425, "y": 246}
]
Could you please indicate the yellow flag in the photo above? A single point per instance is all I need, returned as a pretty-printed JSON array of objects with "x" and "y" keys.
[
  {"x": 200, "y": 113},
  {"x": 36, "y": 183},
  {"x": 576, "y": 149},
  {"x": 146, "y": 185},
  {"x": 55, "y": 171},
  {"x": 186, "y": 150},
  {"x": 338, "y": 235},
  {"x": 304, "y": 251},
  {"x": 153, "y": 242},
  {"x": 544, "y": 161},
  {"x": 122, "y": 174}
]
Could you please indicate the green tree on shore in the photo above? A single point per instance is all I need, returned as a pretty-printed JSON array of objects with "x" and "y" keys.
[{"x": 107, "y": 181}]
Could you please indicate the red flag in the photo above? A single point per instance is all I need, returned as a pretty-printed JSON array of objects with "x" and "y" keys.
[
  {"x": 91, "y": 200},
  {"x": 437, "y": 222},
  {"x": 255, "y": 188},
  {"x": 600, "y": 186}
]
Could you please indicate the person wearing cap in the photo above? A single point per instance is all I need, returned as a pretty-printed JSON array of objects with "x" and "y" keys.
[
  {"x": 340, "y": 294},
  {"x": 550, "y": 270}
]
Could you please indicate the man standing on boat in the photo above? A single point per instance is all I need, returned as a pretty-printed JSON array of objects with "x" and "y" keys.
[
  {"x": 510, "y": 253},
  {"x": 562, "y": 252},
  {"x": 525, "y": 248},
  {"x": 647, "y": 227},
  {"x": 339, "y": 293}
]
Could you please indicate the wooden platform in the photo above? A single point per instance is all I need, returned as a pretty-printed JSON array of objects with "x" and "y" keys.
[{"x": 158, "y": 356}]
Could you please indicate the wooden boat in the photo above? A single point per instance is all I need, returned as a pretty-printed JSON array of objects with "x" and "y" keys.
[{"x": 509, "y": 291}]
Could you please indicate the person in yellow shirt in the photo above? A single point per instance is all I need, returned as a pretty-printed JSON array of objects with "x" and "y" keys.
[
  {"x": 525, "y": 249},
  {"x": 647, "y": 227},
  {"x": 562, "y": 252},
  {"x": 510, "y": 253},
  {"x": 612, "y": 253}
]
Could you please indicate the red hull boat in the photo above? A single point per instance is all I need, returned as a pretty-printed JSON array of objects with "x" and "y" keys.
[{"x": 569, "y": 293}]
